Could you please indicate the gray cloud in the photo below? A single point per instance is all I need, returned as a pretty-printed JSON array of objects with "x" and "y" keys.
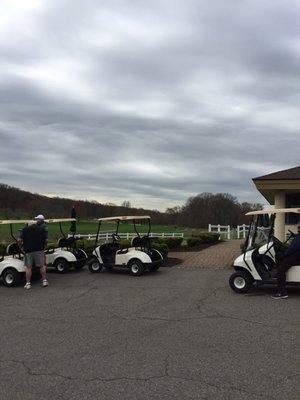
[{"x": 147, "y": 101}]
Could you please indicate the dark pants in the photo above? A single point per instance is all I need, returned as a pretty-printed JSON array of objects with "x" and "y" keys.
[{"x": 285, "y": 264}]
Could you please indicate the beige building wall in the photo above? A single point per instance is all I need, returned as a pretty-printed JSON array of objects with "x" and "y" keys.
[{"x": 278, "y": 199}]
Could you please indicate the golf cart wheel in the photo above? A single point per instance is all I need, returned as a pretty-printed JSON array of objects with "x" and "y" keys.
[
  {"x": 11, "y": 277},
  {"x": 61, "y": 266},
  {"x": 153, "y": 268},
  {"x": 136, "y": 267},
  {"x": 241, "y": 281},
  {"x": 94, "y": 265}
]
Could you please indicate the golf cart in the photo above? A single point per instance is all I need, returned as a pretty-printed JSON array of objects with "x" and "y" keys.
[
  {"x": 137, "y": 258},
  {"x": 258, "y": 262},
  {"x": 69, "y": 243},
  {"x": 12, "y": 264}
]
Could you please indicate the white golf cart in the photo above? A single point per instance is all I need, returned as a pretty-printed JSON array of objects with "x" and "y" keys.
[
  {"x": 258, "y": 262},
  {"x": 12, "y": 265},
  {"x": 137, "y": 258},
  {"x": 68, "y": 243}
]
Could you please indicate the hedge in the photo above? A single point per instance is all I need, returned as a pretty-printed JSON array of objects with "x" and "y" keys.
[
  {"x": 202, "y": 238},
  {"x": 207, "y": 237}
]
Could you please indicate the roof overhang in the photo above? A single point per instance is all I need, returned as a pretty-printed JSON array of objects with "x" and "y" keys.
[{"x": 268, "y": 187}]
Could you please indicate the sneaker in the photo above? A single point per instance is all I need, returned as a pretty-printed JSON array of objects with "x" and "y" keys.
[
  {"x": 27, "y": 286},
  {"x": 279, "y": 296},
  {"x": 45, "y": 283}
]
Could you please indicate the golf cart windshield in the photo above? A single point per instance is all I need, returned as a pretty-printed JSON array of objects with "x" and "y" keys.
[
  {"x": 126, "y": 218},
  {"x": 261, "y": 228}
]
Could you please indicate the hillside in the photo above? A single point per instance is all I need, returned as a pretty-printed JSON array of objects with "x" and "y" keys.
[
  {"x": 197, "y": 212},
  {"x": 17, "y": 203}
]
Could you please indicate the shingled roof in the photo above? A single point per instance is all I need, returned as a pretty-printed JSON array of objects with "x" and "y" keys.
[{"x": 286, "y": 174}]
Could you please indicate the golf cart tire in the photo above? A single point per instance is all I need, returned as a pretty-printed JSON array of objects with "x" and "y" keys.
[
  {"x": 94, "y": 265},
  {"x": 61, "y": 266},
  {"x": 136, "y": 267},
  {"x": 10, "y": 277},
  {"x": 241, "y": 281},
  {"x": 153, "y": 268}
]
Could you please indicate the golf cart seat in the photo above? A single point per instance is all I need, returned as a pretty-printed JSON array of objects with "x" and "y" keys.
[
  {"x": 108, "y": 252},
  {"x": 13, "y": 249},
  {"x": 136, "y": 241},
  {"x": 66, "y": 242},
  {"x": 140, "y": 241}
]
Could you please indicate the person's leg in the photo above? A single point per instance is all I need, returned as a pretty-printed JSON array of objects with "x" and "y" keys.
[
  {"x": 41, "y": 259},
  {"x": 282, "y": 268},
  {"x": 28, "y": 262},
  {"x": 281, "y": 276},
  {"x": 43, "y": 272},
  {"x": 28, "y": 272}
]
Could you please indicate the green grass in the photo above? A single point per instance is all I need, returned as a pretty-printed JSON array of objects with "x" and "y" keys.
[{"x": 90, "y": 227}]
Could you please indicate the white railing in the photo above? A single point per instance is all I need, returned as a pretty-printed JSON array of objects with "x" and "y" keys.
[
  {"x": 221, "y": 229},
  {"x": 108, "y": 235},
  {"x": 242, "y": 231}
]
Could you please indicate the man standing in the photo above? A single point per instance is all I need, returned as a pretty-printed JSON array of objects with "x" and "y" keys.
[
  {"x": 33, "y": 238},
  {"x": 291, "y": 258}
]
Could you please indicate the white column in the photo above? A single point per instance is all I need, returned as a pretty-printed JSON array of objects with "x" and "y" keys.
[{"x": 280, "y": 218}]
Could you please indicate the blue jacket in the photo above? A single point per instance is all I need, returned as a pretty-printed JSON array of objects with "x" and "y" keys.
[{"x": 294, "y": 247}]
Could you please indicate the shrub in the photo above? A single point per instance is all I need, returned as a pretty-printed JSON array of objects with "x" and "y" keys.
[
  {"x": 88, "y": 246},
  {"x": 125, "y": 243},
  {"x": 194, "y": 241},
  {"x": 173, "y": 242},
  {"x": 2, "y": 249},
  {"x": 161, "y": 247},
  {"x": 207, "y": 237}
]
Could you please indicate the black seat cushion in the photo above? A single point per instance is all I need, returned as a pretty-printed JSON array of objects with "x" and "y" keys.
[
  {"x": 66, "y": 242},
  {"x": 140, "y": 241},
  {"x": 136, "y": 242},
  {"x": 13, "y": 249}
]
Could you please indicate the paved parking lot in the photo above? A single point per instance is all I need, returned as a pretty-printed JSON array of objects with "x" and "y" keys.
[{"x": 178, "y": 334}]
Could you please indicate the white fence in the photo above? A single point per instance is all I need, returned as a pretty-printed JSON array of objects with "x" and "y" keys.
[
  {"x": 221, "y": 229},
  {"x": 240, "y": 232},
  {"x": 107, "y": 235}
]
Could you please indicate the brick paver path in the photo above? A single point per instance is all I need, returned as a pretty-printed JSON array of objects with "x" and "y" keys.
[{"x": 218, "y": 256}]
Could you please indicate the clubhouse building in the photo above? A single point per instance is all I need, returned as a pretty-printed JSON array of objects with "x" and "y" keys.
[{"x": 282, "y": 189}]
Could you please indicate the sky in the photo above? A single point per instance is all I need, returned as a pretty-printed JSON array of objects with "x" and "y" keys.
[{"x": 148, "y": 101}]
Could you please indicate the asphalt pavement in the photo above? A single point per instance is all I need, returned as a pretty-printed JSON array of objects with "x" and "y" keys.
[{"x": 176, "y": 334}]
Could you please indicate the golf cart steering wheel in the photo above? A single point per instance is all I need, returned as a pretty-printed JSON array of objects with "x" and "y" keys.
[{"x": 115, "y": 237}]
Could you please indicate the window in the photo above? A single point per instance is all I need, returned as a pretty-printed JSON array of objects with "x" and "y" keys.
[{"x": 293, "y": 201}]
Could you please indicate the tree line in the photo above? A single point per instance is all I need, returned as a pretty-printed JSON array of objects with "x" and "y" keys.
[{"x": 197, "y": 212}]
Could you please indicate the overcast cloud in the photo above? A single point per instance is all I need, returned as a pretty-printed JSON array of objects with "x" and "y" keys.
[{"x": 148, "y": 101}]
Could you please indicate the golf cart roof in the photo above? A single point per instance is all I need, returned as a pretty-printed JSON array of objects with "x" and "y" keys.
[
  {"x": 25, "y": 221},
  {"x": 53, "y": 221},
  {"x": 125, "y": 218},
  {"x": 13, "y": 221},
  {"x": 275, "y": 211}
]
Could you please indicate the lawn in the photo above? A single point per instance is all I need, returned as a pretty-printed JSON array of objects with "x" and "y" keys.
[{"x": 90, "y": 227}]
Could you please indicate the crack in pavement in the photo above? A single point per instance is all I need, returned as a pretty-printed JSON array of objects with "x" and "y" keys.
[
  {"x": 165, "y": 374},
  {"x": 80, "y": 295}
]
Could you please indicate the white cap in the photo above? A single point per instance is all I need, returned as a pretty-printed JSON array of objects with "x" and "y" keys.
[{"x": 40, "y": 217}]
